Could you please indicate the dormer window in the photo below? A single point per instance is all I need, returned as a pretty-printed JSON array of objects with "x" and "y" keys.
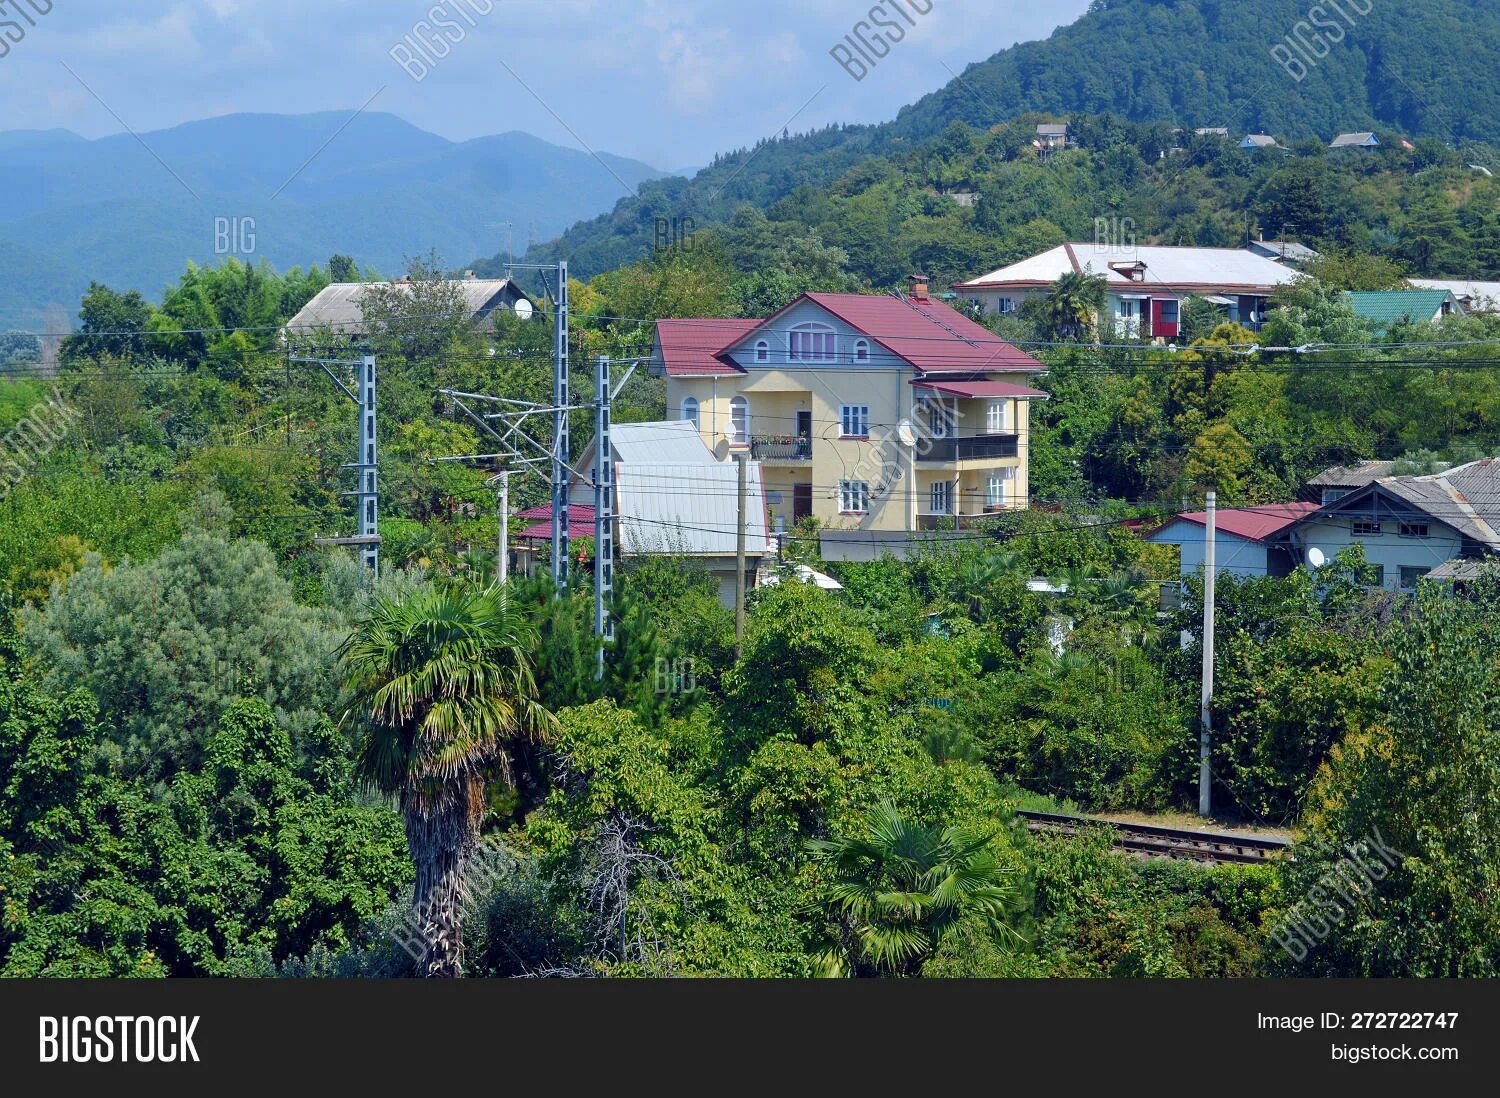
[
  {"x": 861, "y": 350},
  {"x": 811, "y": 343},
  {"x": 1135, "y": 270},
  {"x": 762, "y": 351}
]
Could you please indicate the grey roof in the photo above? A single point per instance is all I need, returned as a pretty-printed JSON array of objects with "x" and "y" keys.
[
  {"x": 1053, "y": 129},
  {"x": 870, "y": 545},
  {"x": 1261, "y": 140},
  {"x": 1462, "y": 568},
  {"x": 691, "y": 510},
  {"x": 1352, "y": 476},
  {"x": 1212, "y": 131},
  {"x": 336, "y": 307},
  {"x": 1284, "y": 249},
  {"x": 1344, "y": 140},
  {"x": 672, "y": 442}
]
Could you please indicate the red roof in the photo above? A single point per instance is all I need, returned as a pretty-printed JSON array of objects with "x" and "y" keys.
[
  {"x": 577, "y": 512},
  {"x": 980, "y": 389},
  {"x": 926, "y": 334},
  {"x": 580, "y": 522},
  {"x": 1253, "y": 523},
  {"x": 693, "y": 348}
]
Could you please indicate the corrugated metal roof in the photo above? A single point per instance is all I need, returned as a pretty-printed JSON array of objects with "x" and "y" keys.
[
  {"x": 1483, "y": 297},
  {"x": 1254, "y": 523},
  {"x": 337, "y": 306},
  {"x": 1345, "y": 140},
  {"x": 692, "y": 348},
  {"x": 673, "y": 442},
  {"x": 1389, "y": 306},
  {"x": 1352, "y": 476},
  {"x": 1166, "y": 268},
  {"x": 690, "y": 509},
  {"x": 981, "y": 389}
]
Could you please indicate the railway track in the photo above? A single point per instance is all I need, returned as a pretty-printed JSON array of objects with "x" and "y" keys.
[{"x": 1149, "y": 841}]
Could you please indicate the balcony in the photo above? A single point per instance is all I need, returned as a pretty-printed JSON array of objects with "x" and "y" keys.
[
  {"x": 780, "y": 448},
  {"x": 969, "y": 448}
]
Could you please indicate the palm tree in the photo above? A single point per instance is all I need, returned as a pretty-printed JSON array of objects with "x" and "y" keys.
[
  {"x": 902, "y": 886},
  {"x": 442, "y": 682},
  {"x": 979, "y": 572},
  {"x": 1073, "y": 303}
]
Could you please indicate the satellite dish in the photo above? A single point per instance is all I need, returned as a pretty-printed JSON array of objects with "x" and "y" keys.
[
  {"x": 721, "y": 449},
  {"x": 1316, "y": 558},
  {"x": 906, "y": 433}
]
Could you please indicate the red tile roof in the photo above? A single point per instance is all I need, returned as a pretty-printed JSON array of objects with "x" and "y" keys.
[
  {"x": 580, "y": 522},
  {"x": 692, "y": 348},
  {"x": 926, "y": 334},
  {"x": 980, "y": 389},
  {"x": 1253, "y": 523},
  {"x": 577, "y": 512}
]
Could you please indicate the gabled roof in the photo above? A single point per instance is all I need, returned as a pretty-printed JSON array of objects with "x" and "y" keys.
[
  {"x": 691, "y": 348},
  {"x": 674, "y": 442},
  {"x": 1386, "y": 307},
  {"x": 1260, "y": 140},
  {"x": 1251, "y": 523},
  {"x": 1345, "y": 140},
  {"x": 1053, "y": 129},
  {"x": 924, "y": 334},
  {"x": 1352, "y": 476},
  {"x": 337, "y": 306},
  {"x": 1172, "y": 269},
  {"x": 1479, "y": 297},
  {"x": 1465, "y": 498}
]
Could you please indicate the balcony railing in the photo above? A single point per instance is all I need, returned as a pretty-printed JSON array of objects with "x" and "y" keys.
[
  {"x": 969, "y": 448},
  {"x": 780, "y": 448}
]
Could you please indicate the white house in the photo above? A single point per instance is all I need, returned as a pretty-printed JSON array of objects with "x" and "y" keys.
[{"x": 1145, "y": 285}]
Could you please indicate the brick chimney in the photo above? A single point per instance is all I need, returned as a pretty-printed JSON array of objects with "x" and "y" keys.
[{"x": 918, "y": 286}]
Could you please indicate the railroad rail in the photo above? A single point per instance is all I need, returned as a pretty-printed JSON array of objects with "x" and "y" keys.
[{"x": 1150, "y": 841}]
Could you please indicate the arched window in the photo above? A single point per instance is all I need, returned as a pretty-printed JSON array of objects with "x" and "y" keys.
[
  {"x": 861, "y": 350},
  {"x": 811, "y": 343},
  {"x": 762, "y": 351},
  {"x": 690, "y": 410},
  {"x": 739, "y": 415}
]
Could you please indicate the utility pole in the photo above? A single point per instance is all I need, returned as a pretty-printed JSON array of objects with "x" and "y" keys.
[
  {"x": 502, "y": 567},
  {"x": 560, "y": 455},
  {"x": 739, "y": 559},
  {"x": 366, "y": 493},
  {"x": 604, "y": 512},
  {"x": 1205, "y": 713}
]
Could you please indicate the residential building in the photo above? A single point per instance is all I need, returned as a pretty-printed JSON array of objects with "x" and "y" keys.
[
  {"x": 1386, "y": 307},
  {"x": 1052, "y": 136},
  {"x": 892, "y": 413},
  {"x": 672, "y": 496},
  {"x": 1362, "y": 140},
  {"x": 1242, "y": 539},
  {"x": 1337, "y": 482},
  {"x": 1259, "y": 141},
  {"x": 1212, "y": 131},
  {"x": 1475, "y": 297},
  {"x": 338, "y": 308},
  {"x": 1145, "y": 285},
  {"x": 1408, "y": 526}
]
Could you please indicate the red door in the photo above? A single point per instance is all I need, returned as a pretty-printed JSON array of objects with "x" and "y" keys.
[
  {"x": 1165, "y": 319},
  {"x": 801, "y": 501}
]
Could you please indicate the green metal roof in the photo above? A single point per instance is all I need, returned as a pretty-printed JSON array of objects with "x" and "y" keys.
[{"x": 1388, "y": 306}]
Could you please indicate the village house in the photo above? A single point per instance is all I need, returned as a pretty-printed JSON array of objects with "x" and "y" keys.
[
  {"x": 1386, "y": 307},
  {"x": 1052, "y": 136},
  {"x": 1242, "y": 539},
  {"x": 873, "y": 413},
  {"x": 1145, "y": 285},
  {"x": 1475, "y": 297},
  {"x": 337, "y": 307},
  {"x": 1362, "y": 140}
]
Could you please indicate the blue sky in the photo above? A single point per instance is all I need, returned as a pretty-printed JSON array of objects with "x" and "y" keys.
[{"x": 671, "y": 83}]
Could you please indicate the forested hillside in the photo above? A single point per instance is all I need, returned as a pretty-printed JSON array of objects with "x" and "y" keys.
[{"x": 1167, "y": 63}]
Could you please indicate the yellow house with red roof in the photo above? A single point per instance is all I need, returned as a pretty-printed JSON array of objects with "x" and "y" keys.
[{"x": 882, "y": 413}]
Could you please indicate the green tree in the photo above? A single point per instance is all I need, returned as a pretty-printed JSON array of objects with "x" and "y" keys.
[{"x": 442, "y": 683}]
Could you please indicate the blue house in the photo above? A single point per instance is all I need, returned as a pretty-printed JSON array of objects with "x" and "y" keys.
[{"x": 1242, "y": 539}]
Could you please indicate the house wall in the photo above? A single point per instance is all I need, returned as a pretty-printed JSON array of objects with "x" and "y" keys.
[
  {"x": 1389, "y": 549},
  {"x": 1233, "y": 555}
]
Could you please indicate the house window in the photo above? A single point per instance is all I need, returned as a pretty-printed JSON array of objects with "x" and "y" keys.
[
  {"x": 690, "y": 410},
  {"x": 997, "y": 417},
  {"x": 854, "y": 497},
  {"x": 1363, "y": 528},
  {"x": 1373, "y": 575},
  {"x": 739, "y": 417},
  {"x": 762, "y": 351},
  {"x": 942, "y": 497},
  {"x": 939, "y": 419},
  {"x": 997, "y": 487},
  {"x": 1169, "y": 311},
  {"x": 861, "y": 350},
  {"x": 1413, "y": 530},
  {"x": 1331, "y": 494},
  {"x": 1006, "y": 304},
  {"x": 1410, "y": 576},
  {"x": 811, "y": 343},
  {"x": 854, "y": 420}
]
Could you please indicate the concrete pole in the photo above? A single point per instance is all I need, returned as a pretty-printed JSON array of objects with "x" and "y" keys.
[
  {"x": 502, "y": 568},
  {"x": 739, "y": 563},
  {"x": 1205, "y": 712}
]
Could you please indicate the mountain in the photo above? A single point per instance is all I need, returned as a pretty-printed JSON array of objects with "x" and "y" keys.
[
  {"x": 1423, "y": 68},
  {"x": 132, "y": 212}
]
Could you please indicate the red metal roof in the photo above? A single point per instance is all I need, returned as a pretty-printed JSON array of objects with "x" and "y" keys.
[
  {"x": 580, "y": 522},
  {"x": 1253, "y": 523},
  {"x": 981, "y": 389},
  {"x": 577, "y": 512},
  {"x": 926, "y": 334},
  {"x": 692, "y": 348}
]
